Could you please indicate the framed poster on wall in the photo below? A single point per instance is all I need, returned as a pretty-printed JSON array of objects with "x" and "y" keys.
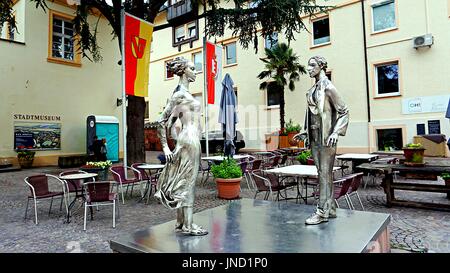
[{"x": 37, "y": 136}]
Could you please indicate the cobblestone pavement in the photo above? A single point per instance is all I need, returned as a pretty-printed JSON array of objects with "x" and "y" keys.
[{"x": 413, "y": 230}]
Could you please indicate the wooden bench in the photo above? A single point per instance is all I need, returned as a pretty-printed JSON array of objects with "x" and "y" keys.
[{"x": 71, "y": 161}]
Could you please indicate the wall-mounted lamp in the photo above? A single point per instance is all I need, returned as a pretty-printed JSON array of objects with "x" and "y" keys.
[{"x": 119, "y": 102}]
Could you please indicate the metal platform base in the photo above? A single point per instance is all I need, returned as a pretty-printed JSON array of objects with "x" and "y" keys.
[{"x": 256, "y": 226}]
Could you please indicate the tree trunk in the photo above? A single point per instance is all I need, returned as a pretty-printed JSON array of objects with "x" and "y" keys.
[
  {"x": 282, "y": 113},
  {"x": 135, "y": 131}
]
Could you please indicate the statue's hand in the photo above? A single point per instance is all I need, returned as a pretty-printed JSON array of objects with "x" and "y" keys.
[
  {"x": 300, "y": 136},
  {"x": 169, "y": 155},
  {"x": 332, "y": 140}
]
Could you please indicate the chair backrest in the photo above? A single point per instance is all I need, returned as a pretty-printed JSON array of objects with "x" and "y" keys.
[
  {"x": 283, "y": 159},
  {"x": 356, "y": 182},
  {"x": 74, "y": 184},
  {"x": 98, "y": 191},
  {"x": 119, "y": 173},
  {"x": 39, "y": 183},
  {"x": 262, "y": 183},
  {"x": 276, "y": 161},
  {"x": 243, "y": 166},
  {"x": 142, "y": 172},
  {"x": 345, "y": 185},
  {"x": 256, "y": 164}
]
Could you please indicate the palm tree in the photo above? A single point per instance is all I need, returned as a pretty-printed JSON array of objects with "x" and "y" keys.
[{"x": 282, "y": 68}]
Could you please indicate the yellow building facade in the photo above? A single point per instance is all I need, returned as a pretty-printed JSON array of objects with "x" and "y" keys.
[
  {"x": 406, "y": 91},
  {"x": 44, "y": 84}
]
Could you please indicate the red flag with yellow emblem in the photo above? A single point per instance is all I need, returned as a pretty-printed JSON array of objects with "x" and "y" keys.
[{"x": 137, "y": 41}]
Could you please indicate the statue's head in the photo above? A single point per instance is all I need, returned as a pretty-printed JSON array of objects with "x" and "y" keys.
[
  {"x": 181, "y": 66},
  {"x": 315, "y": 65}
]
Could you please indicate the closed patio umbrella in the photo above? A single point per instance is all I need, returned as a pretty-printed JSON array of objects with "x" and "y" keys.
[{"x": 227, "y": 114}]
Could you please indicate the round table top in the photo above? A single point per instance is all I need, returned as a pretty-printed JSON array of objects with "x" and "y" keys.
[
  {"x": 151, "y": 166},
  {"x": 78, "y": 176}
]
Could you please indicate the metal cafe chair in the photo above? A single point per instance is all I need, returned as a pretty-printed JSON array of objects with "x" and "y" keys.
[
  {"x": 119, "y": 176},
  {"x": 353, "y": 190},
  {"x": 100, "y": 194},
  {"x": 40, "y": 190}
]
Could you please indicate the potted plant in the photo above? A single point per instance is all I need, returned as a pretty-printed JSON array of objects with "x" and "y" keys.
[
  {"x": 446, "y": 177},
  {"x": 304, "y": 156},
  {"x": 413, "y": 153},
  {"x": 283, "y": 140},
  {"x": 228, "y": 176},
  {"x": 25, "y": 156},
  {"x": 291, "y": 130},
  {"x": 98, "y": 167}
]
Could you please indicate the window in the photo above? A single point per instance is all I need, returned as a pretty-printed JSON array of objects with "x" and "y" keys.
[
  {"x": 230, "y": 53},
  {"x": 321, "y": 31},
  {"x": 383, "y": 16},
  {"x": 389, "y": 139},
  {"x": 169, "y": 74},
  {"x": 386, "y": 78},
  {"x": 271, "y": 41},
  {"x": 62, "y": 40},
  {"x": 197, "y": 59},
  {"x": 273, "y": 95},
  {"x": 252, "y": 5},
  {"x": 185, "y": 33}
]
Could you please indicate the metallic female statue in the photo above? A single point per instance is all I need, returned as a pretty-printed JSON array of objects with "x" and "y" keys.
[
  {"x": 176, "y": 183},
  {"x": 326, "y": 119}
]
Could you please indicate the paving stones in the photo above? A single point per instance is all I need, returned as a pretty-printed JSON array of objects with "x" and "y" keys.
[{"x": 412, "y": 230}]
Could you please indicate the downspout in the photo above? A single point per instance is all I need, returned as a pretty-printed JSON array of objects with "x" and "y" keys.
[{"x": 369, "y": 119}]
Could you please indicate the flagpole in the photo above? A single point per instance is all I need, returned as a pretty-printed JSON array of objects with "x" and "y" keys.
[
  {"x": 205, "y": 97},
  {"x": 124, "y": 97}
]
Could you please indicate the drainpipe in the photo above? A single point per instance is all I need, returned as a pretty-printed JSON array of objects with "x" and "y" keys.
[{"x": 366, "y": 65}]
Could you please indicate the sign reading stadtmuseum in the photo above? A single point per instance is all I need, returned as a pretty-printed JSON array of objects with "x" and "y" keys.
[
  {"x": 429, "y": 104},
  {"x": 36, "y": 117},
  {"x": 37, "y": 135}
]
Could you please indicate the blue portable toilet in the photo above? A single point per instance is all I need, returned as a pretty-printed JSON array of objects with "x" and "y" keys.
[{"x": 104, "y": 127}]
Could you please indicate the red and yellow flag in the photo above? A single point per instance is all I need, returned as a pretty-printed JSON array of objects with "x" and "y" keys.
[{"x": 137, "y": 41}]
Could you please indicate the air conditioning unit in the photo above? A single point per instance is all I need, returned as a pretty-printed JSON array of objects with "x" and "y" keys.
[{"x": 424, "y": 40}]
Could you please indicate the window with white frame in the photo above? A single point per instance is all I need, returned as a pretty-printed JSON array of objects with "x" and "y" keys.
[
  {"x": 321, "y": 31},
  {"x": 387, "y": 79},
  {"x": 383, "y": 16},
  {"x": 197, "y": 59},
  {"x": 62, "y": 39},
  {"x": 230, "y": 50},
  {"x": 273, "y": 94},
  {"x": 389, "y": 139},
  {"x": 271, "y": 41},
  {"x": 185, "y": 33}
]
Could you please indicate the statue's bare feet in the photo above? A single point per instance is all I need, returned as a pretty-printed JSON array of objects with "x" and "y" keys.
[{"x": 195, "y": 230}]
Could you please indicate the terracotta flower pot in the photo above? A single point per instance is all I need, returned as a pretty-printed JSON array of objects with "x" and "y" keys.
[
  {"x": 291, "y": 139},
  {"x": 228, "y": 188},
  {"x": 414, "y": 156}
]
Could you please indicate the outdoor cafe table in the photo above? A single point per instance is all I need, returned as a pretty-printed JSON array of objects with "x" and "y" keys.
[
  {"x": 428, "y": 171},
  {"x": 303, "y": 171},
  {"x": 357, "y": 159},
  {"x": 150, "y": 168},
  {"x": 221, "y": 158},
  {"x": 71, "y": 178}
]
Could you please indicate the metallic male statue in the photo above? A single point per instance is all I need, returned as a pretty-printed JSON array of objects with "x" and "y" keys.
[
  {"x": 176, "y": 183},
  {"x": 326, "y": 119}
]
